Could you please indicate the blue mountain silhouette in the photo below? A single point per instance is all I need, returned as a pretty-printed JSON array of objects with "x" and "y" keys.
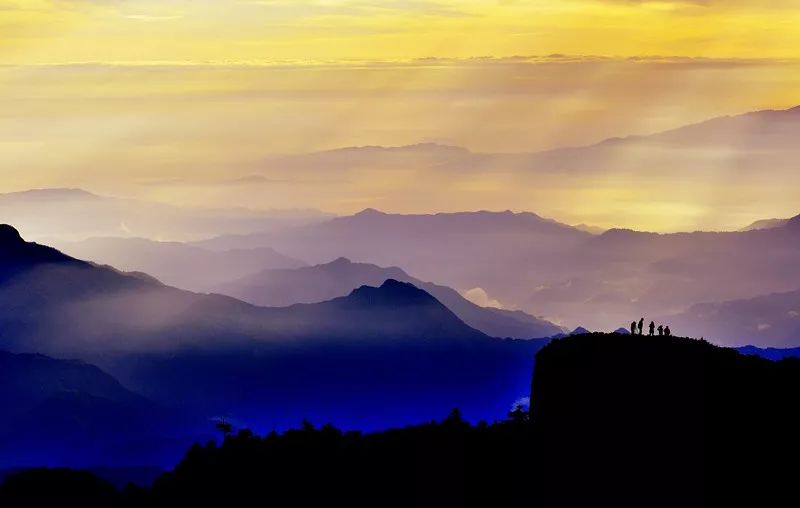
[{"x": 210, "y": 355}]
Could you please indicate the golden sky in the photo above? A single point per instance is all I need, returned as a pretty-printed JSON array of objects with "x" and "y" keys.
[
  {"x": 49, "y": 31},
  {"x": 176, "y": 99}
]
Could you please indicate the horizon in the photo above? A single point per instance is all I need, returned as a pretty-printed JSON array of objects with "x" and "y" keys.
[{"x": 327, "y": 215}]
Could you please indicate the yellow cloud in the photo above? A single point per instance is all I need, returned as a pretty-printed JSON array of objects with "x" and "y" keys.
[{"x": 274, "y": 30}]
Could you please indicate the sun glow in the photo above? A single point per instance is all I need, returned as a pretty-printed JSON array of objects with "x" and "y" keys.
[{"x": 175, "y": 100}]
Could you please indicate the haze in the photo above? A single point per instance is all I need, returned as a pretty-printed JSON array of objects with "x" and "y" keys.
[{"x": 197, "y": 103}]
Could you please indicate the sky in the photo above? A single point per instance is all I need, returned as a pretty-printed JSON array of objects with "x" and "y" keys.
[{"x": 189, "y": 101}]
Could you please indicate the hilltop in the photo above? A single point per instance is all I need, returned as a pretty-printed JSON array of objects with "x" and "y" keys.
[{"x": 663, "y": 420}]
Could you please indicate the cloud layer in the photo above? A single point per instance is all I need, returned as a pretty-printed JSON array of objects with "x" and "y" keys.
[{"x": 195, "y": 102}]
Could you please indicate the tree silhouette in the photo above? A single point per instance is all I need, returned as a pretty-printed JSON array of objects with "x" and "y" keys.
[
  {"x": 519, "y": 414},
  {"x": 225, "y": 427}
]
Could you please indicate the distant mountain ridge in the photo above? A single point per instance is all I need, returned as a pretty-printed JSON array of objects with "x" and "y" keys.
[
  {"x": 432, "y": 147},
  {"x": 49, "y": 194},
  {"x": 770, "y": 353},
  {"x": 777, "y": 127},
  {"x": 327, "y": 281},
  {"x": 572, "y": 277},
  {"x": 765, "y": 224},
  {"x": 112, "y": 311},
  {"x": 719, "y": 128},
  {"x": 487, "y": 250},
  {"x": 769, "y": 320},
  {"x": 178, "y": 264}
]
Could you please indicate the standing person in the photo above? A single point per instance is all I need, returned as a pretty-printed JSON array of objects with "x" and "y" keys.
[
  {"x": 667, "y": 331},
  {"x": 660, "y": 330},
  {"x": 633, "y": 328},
  {"x": 641, "y": 325},
  {"x": 652, "y": 328}
]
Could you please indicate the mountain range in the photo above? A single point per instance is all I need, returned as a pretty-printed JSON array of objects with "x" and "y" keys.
[
  {"x": 739, "y": 142},
  {"x": 489, "y": 250},
  {"x": 264, "y": 277},
  {"x": 283, "y": 287},
  {"x": 202, "y": 356},
  {"x": 671, "y": 179},
  {"x": 556, "y": 271},
  {"x": 110, "y": 311},
  {"x": 178, "y": 264},
  {"x": 516, "y": 260},
  {"x": 542, "y": 267},
  {"x": 765, "y": 224},
  {"x": 772, "y": 319}
]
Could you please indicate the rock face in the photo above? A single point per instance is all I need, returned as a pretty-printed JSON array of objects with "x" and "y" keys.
[
  {"x": 662, "y": 421},
  {"x": 178, "y": 264}
]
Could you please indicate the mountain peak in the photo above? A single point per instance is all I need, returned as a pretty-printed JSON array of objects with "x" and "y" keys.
[
  {"x": 340, "y": 261},
  {"x": 17, "y": 255},
  {"x": 370, "y": 212},
  {"x": 407, "y": 310},
  {"x": 393, "y": 292},
  {"x": 396, "y": 285},
  {"x": 9, "y": 235},
  {"x": 54, "y": 194}
]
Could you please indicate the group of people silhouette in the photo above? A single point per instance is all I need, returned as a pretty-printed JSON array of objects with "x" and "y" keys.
[{"x": 662, "y": 330}]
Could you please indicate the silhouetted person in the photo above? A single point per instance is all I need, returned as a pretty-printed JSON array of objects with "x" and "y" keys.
[
  {"x": 652, "y": 329},
  {"x": 641, "y": 325},
  {"x": 633, "y": 328},
  {"x": 667, "y": 332},
  {"x": 660, "y": 330}
]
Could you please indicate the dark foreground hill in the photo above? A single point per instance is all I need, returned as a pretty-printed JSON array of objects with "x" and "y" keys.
[
  {"x": 70, "y": 412},
  {"x": 616, "y": 421},
  {"x": 665, "y": 421}
]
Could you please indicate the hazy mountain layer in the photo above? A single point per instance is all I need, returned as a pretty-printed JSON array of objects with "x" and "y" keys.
[
  {"x": 331, "y": 280},
  {"x": 178, "y": 264},
  {"x": 55, "y": 304},
  {"x": 499, "y": 252},
  {"x": 268, "y": 367},
  {"x": 598, "y": 281},
  {"x": 770, "y": 320},
  {"x": 75, "y": 214}
]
